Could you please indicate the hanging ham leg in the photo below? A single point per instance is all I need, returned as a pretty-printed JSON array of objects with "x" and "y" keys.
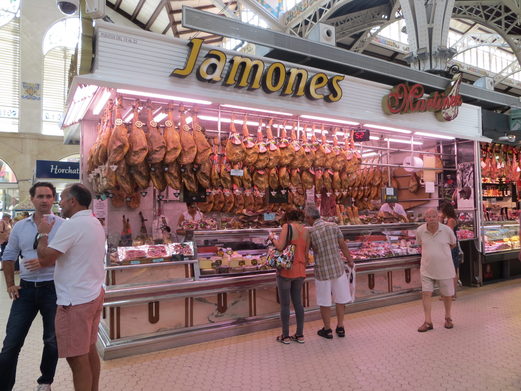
[
  {"x": 251, "y": 148},
  {"x": 235, "y": 152},
  {"x": 173, "y": 176},
  {"x": 156, "y": 142},
  {"x": 141, "y": 175},
  {"x": 263, "y": 156},
  {"x": 189, "y": 149},
  {"x": 204, "y": 150},
  {"x": 138, "y": 147},
  {"x": 172, "y": 138},
  {"x": 118, "y": 143},
  {"x": 287, "y": 151},
  {"x": 273, "y": 149}
]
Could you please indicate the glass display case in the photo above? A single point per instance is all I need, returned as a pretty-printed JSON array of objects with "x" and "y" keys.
[
  {"x": 501, "y": 236},
  {"x": 467, "y": 225}
]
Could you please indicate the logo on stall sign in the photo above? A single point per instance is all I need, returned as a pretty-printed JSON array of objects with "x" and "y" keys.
[
  {"x": 244, "y": 72},
  {"x": 404, "y": 98}
]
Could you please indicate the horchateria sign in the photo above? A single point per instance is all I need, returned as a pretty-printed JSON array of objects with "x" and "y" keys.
[
  {"x": 254, "y": 74},
  {"x": 404, "y": 98},
  {"x": 57, "y": 170}
]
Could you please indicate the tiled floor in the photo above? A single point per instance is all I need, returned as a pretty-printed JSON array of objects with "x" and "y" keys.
[{"x": 382, "y": 351}]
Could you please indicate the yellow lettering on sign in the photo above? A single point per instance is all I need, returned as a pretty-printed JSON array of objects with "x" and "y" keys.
[
  {"x": 317, "y": 81},
  {"x": 212, "y": 67},
  {"x": 241, "y": 67},
  {"x": 195, "y": 47},
  {"x": 334, "y": 86},
  {"x": 296, "y": 74},
  {"x": 274, "y": 78}
]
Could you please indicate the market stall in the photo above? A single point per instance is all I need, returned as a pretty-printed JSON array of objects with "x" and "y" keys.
[{"x": 246, "y": 139}]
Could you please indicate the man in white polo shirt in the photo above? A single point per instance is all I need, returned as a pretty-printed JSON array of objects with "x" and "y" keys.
[
  {"x": 436, "y": 241},
  {"x": 78, "y": 250}
]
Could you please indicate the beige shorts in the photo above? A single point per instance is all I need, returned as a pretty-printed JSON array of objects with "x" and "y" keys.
[
  {"x": 338, "y": 288},
  {"x": 446, "y": 286},
  {"x": 77, "y": 327}
]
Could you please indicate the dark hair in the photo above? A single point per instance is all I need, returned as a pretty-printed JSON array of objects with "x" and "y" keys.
[
  {"x": 190, "y": 204},
  {"x": 294, "y": 215},
  {"x": 81, "y": 193},
  {"x": 448, "y": 210},
  {"x": 32, "y": 190}
]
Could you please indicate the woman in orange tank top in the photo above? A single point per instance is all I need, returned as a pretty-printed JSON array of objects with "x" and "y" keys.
[{"x": 289, "y": 282}]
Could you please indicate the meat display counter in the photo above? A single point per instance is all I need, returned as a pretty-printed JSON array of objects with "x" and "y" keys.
[
  {"x": 499, "y": 255},
  {"x": 152, "y": 311}
]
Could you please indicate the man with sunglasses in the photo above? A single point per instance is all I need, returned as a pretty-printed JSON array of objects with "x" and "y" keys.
[{"x": 36, "y": 292}]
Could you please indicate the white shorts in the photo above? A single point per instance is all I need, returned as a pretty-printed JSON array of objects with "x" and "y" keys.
[
  {"x": 338, "y": 288},
  {"x": 446, "y": 285}
]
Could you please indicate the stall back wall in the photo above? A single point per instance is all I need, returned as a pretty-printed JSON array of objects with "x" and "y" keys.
[{"x": 143, "y": 61}]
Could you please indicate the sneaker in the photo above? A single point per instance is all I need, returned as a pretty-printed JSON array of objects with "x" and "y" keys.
[
  {"x": 327, "y": 334},
  {"x": 43, "y": 387}
]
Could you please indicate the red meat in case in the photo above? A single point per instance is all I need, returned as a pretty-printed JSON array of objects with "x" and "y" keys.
[
  {"x": 134, "y": 254},
  {"x": 157, "y": 251}
]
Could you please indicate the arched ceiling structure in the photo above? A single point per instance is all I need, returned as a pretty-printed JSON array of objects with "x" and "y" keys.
[{"x": 357, "y": 23}]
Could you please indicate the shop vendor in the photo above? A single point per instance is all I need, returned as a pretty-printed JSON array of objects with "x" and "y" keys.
[{"x": 189, "y": 220}]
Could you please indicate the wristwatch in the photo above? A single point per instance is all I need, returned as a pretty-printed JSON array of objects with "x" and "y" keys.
[{"x": 41, "y": 235}]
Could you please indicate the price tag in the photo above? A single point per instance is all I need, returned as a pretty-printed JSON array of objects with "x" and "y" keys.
[
  {"x": 235, "y": 172},
  {"x": 429, "y": 187},
  {"x": 157, "y": 260},
  {"x": 269, "y": 216}
]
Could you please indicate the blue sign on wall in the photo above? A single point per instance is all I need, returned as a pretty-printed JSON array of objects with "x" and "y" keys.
[{"x": 57, "y": 170}]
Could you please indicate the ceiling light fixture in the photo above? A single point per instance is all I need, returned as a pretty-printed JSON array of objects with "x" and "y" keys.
[
  {"x": 161, "y": 96},
  {"x": 402, "y": 141},
  {"x": 101, "y": 102},
  {"x": 338, "y": 121},
  {"x": 434, "y": 135},
  {"x": 159, "y": 117},
  {"x": 258, "y": 110},
  {"x": 398, "y": 130}
]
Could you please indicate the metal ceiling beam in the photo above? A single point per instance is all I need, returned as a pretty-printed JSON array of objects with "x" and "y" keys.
[
  {"x": 137, "y": 10},
  {"x": 117, "y": 4},
  {"x": 168, "y": 7},
  {"x": 215, "y": 24},
  {"x": 264, "y": 14},
  {"x": 224, "y": 8},
  {"x": 155, "y": 14}
]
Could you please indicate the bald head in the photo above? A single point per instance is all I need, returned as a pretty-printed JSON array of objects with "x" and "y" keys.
[{"x": 431, "y": 216}]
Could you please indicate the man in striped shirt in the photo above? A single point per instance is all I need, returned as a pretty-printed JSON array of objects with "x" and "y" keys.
[{"x": 330, "y": 277}]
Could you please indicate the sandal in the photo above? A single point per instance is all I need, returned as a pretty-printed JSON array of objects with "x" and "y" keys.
[
  {"x": 298, "y": 338},
  {"x": 284, "y": 340},
  {"x": 448, "y": 323},
  {"x": 425, "y": 327},
  {"x": 340, "y": 331},
  {"x": 327, "y": 334}
]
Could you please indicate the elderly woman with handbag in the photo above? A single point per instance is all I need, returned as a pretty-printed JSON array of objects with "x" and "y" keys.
[{"x": 291, "y": 280}]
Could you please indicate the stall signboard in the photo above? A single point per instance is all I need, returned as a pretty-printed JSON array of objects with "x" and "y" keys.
[
  {"x": 389, "y": 194},
  {"x": 254, "y": 74},
  {"x": 405, "y": 98},
  {"x": 57, "y": 170}
]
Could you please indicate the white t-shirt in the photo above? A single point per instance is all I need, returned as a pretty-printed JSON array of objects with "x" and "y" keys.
[
  {"x": 79, "y": 273},
  {"x": 397, "y": 209},
  {"x": 188, "y": 217},
  {"x": 436, "y": 259}
]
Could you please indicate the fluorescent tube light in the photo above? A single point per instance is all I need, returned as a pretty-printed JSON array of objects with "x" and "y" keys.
[
  {"x": 226, "y": 120},
  {"x": 402, "y": 141},
  {"x": 339, "y": 121},
  {"x": 258, "y": 110},
  {"x": 101, "y": 102},
  {"x": 369, "y": 154},
  {"x": 374, "y": 138},
  {"x": 435, "y": 135},
  {"x": 374, "y": 126},
  {"x": 165, "y": 97},
  {"x": 159, "y": 117}
]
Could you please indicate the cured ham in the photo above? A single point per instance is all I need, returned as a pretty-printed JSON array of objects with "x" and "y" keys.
[
  {"x": 307, "y": 163},
  {"x": 327, "y": 180},
  {"x": 172, "y": 138},
  {"x": 287, "y": 151},
  {"x": 124, "y": 179},
  {"x": 118, "y": 143},
  {"x": 218, "y": 200},
  {"x": 157, "y": 176},
  {"x": 141, "y": 175},
  {"x": 299, "y": 153},
  {"x": 236, "y": 179},
  {"x": 156, "y": 142},
  {"x": 173, "y": 176},
  {"x": 273, "y": 149},
  {"x": 337, "y": 181},
  {"x": 238, "y": 201},
  {"x": 260, "y": 200},
  {"x": 284, "y": 178},
  {"x": 329, "y": 155},
  {"x": 204, "y": 150},
  {"x": 215, "y": 177},
  {"x": 263, "y": 156},
  {"x": 339, "y": 161},
  {"x": 235, "y": 151},
  {"x": 319, "y": 182},
  {"x": 308, "y": 179},
  {"x": 189, "y": 149},
  {"x": 188, "y": 178},
  {"x": 249, "y": 200},
  {"x": 247, "y": 180},
  {"x": 260, "y": 179},
  {"x": 203, "y": 174},
  {"x": 251, "y": 148},
  {"x": 295, "y": 179},
  {"x": 106, "y": 131},
  {"x": 206, "y": 206},
  {"x": 138, "y": 146},
  {"x": 229, "y": 201},
  {"x": 273, "y": 178},
  {"x": 226, "y": 178},
  {"x": 320, "y": 153}
]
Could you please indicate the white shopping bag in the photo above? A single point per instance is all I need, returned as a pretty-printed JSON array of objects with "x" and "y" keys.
[{"x": 351, "y": 279}]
